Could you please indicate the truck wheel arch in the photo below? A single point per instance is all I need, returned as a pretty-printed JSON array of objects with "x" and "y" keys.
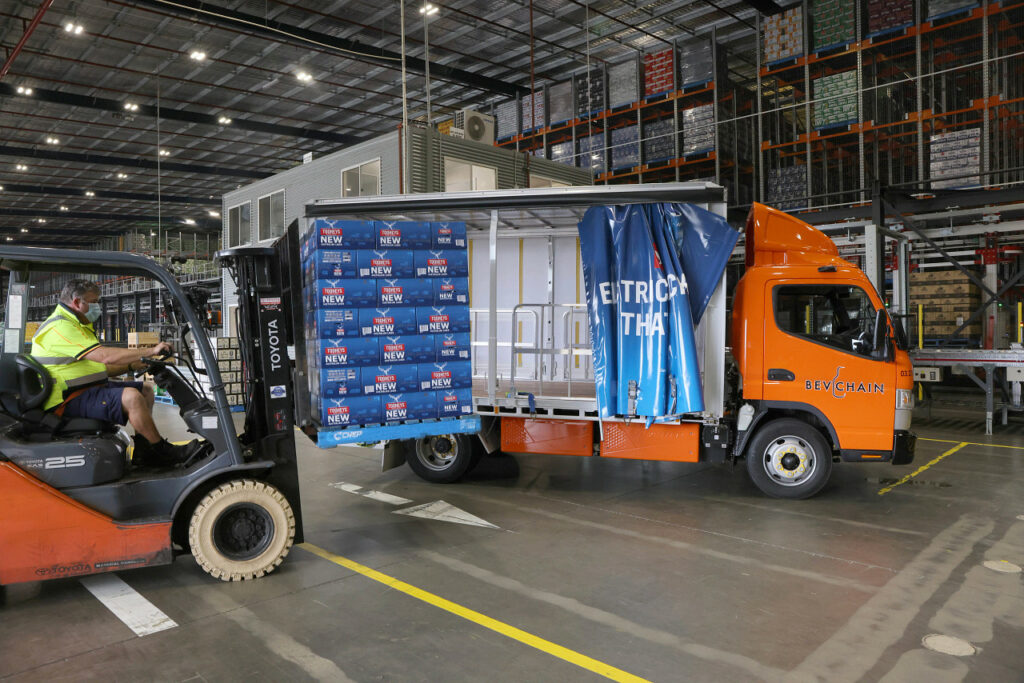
[{"x": 766, "y": 411}]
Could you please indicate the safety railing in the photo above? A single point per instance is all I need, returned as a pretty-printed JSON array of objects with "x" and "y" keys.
[{"x": 565, "y": 359}]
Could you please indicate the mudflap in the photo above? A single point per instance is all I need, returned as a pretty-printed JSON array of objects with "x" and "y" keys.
[{"x": 393, "y": 455}]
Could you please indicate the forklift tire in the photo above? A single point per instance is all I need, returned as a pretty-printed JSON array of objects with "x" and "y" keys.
[
  {"x": 788, "y": 458},
  {"x": 241, "y": 530},
  {"x": 442, "y": 459}
]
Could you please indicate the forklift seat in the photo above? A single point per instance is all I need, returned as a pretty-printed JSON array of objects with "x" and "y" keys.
[{"x": 24, "y": 387}]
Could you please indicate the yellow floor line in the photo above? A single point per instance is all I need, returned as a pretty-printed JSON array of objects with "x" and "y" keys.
[
  {"x": 973, "y": 443},
  {"x": 504, "y": 629},
  {"x": 922, "y": 468}
]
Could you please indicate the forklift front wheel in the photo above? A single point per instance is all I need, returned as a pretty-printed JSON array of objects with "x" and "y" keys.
[
  {"x": 441, "y": 459},
  {"x": 789, "y": 458},
  {"x": 241, "y": 530}
]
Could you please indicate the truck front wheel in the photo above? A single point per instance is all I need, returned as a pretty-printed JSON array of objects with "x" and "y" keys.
[
  {"x": 442, "y": 459},
  {"x": 788, "y": 458}
]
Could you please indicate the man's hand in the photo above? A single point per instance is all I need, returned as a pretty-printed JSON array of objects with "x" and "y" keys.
[{"x": 161, "y": 349}]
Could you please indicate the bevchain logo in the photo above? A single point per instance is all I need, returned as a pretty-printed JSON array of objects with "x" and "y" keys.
[
  {"x": 839, "y": 388},
  {"x": 391, "y": 293},
  {"x": 394, "y": 352}
]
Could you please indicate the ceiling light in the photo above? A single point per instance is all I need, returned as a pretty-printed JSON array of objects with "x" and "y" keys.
[
  {"x": 131, "y": 106},
  {"x": 74, "y": 28},
  {"x": 224, "y": 121},
  {"x": 198, "y": 55},
  {"x": 63, "y": 208},
  {"x": 152, "y": 234},
  {"x": 595, "y": 156},
  {"x": 122, "y": 176},
  {"x": 40, "y": 220},
  {"x": 429, "y": 9},
  {"x": 303, "y": 76},
  {"x": 189, "y": 221},
  {"x": 52, "y": 141},
  {"x": 90, "y": 193},
  {"x": 213, "y": 214},
  {"x": 24, "y": 90},
  {"x": 1, "y": 188},
  {"x": 21, "y": 167},
  {"x": 24, "y": 229},
  {"x": 10, "y": 239},
  {"x": 165, "y": 153}
]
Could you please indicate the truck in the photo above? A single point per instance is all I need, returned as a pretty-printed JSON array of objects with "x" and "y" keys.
[{"x": 801, "y": 365}]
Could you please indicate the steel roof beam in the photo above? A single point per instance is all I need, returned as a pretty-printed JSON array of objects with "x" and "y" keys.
[
  {"x": 202, "y": 224},
  {"x": 13, "y": 188},
  {"x": 202, "y": 12},
  {"x": 104, "y": 104},
  {"x": 135, "y": 162}
]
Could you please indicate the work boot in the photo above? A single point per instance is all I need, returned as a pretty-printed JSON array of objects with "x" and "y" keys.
[{"x": 159, "y": 454}]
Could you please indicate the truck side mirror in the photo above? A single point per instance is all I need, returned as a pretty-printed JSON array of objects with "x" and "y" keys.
[{"x": 880, "y": 339}]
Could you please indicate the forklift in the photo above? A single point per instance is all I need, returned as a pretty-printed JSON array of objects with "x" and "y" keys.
[{"x": 72, "y": 503}]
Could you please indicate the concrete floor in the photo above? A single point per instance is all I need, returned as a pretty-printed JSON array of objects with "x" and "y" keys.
[{"x": 666, "y": 572}]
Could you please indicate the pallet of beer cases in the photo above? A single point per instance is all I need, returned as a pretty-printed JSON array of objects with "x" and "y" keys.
[{"x": 387, "y": 329}]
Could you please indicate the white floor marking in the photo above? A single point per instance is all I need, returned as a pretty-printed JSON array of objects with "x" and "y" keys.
[
  {"x": 371, "y": 494},
  {"x": 444, "y": 512},
  {"x": 948, "y": 645},
  {"x": 138, "y": 613},
  {"x": 1002, "y": 566}
]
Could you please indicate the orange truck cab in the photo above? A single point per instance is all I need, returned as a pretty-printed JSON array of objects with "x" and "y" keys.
[{"x": 823, "y": 366}]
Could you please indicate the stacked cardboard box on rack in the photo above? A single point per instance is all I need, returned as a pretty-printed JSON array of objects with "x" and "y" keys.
[
  {"x": 592, "y": 153},
  {"x": 533, "y": 111},
  {"x": 659, "y": 141},
  {"x": 560, "y": 102},
  {"x": 623, "y": 83},
  {"x": 625, "y": 150},
  {"x": 387, "y": 320},
  {"x": 506, "y": 119},
  {"x": 834, "y": 23},
  {"x": 940, "y": 8},
  {"x": 787, "y": 187},
  {"x": 948, "y": 298},
  {"x": 696, "y": 62},
  {"x": 954, "y": 154},
  {"x": 659, "y": 72},
  {"x": 589, "y": 92},
  {"x": 835, "y": 99},
  {"x": 784, "y": 35},
  {"x": 698, "y": 129},
  {"x": 886, "y": 15},
  {"x": 562, "y": 152}
]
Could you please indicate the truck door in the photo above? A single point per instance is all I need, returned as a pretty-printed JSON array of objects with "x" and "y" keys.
[{"x": 818, "y": 352}]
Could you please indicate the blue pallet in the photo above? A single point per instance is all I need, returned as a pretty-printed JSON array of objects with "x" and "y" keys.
[
  {"x": 838, "y": 124},
  {"x": 327, "y": 438},
  {"x": 648, "y": 98},
  {"x": 237, "y": 409},
  {"x": 833, "y": 46},
  {"x": 780, "y": 62},
  {"x": 694, "y": 85},
  {"x": 166, "y": 400}
]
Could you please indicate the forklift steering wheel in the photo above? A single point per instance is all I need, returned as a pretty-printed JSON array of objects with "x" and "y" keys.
[{"x": 153, "y": 364}]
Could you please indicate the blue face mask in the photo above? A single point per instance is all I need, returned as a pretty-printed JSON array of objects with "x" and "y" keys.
[{"x": 94, "y": 312}]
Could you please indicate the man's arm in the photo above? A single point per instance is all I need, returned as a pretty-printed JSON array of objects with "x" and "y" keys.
[{"x": 113, "y": 356}]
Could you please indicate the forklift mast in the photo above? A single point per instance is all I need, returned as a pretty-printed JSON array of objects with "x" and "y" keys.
[{"x": 269, "y": 314}]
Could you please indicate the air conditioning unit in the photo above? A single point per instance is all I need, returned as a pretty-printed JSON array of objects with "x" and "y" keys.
[{"x": 472, "y": 125}]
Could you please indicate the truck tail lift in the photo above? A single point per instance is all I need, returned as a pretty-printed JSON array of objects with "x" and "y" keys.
[{"x": 814, "y": 370}]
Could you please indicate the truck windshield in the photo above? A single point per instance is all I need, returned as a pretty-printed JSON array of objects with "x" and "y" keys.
[{"x": 841, "y": 316}]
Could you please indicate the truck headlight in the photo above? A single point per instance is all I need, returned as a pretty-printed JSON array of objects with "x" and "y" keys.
[{"x": 904, "y": 399}]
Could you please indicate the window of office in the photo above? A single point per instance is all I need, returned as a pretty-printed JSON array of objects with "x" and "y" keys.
[
  {"x": 541, "y": 181},
  {"x": 239, "y": 225},
  {"x": 270, "y": 213},
  {"x": 463, "y": 176},
  {"x": 362, "y": 180}
]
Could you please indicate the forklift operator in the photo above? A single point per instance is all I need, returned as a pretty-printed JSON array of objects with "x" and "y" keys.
[{"x": 66, "y": 346}]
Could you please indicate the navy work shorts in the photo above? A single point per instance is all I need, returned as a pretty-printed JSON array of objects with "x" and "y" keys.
[{"x": 101, "y": 402}]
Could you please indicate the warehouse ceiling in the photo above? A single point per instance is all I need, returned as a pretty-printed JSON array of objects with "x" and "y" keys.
[{"x": 139, "y": 114}]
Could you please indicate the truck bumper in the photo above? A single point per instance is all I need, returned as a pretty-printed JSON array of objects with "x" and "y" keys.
[{"x": 903, "y": 445}]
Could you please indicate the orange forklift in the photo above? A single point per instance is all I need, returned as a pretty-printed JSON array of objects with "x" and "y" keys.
[{"x": 72, "y": 503}]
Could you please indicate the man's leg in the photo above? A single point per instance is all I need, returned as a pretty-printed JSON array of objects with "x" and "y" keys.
[
  {"x": 138, "y": 408},
  {"x": 149, "y": 395}
]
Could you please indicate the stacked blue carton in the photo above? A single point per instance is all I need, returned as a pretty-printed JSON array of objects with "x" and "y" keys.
[{"x": 387, "y": 320}]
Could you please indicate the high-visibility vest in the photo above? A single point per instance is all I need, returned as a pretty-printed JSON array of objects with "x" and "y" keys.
[{"x": 59, "y": 345}]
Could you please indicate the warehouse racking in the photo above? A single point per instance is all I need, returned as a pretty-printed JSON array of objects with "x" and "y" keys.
[{"x": 837, "y": 97}]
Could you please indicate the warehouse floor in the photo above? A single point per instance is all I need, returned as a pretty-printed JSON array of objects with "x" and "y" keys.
[{"x": 659, "y": 571}]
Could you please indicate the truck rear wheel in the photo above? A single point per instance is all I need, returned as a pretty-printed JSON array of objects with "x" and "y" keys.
[
  {"x": 442, "y": 459},
  {"x": 788, "y": 458},
  {"x": 241, "y": 530}
]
